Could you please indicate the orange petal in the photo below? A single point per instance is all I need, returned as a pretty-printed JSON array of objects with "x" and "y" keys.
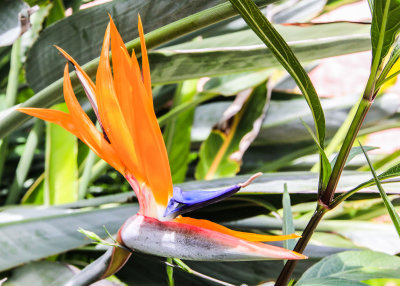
[
  {"x": 111, "y": 114},
  {"x": 146, "y": 132},
  {"x": 65, "y": 120},
  {"x": 145, "y": 60},
  {"x": 86, "y": 81},
  {"x": 122, "y": 69},
  {"x": 239, "y": 234},
  {"x": 86, "y": 128}
]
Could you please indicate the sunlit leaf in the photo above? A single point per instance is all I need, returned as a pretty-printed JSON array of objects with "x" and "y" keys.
[
  {"x": 177, "y": 132},
  {"x": 388, "y": 204},
  {"x": 276, "y": 43},
  {"x": 351, "y": 267},
  {"x": 61, "y": 167},
  {"x": 222, "y": 152}
]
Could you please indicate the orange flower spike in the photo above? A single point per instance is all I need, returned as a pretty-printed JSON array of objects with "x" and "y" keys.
[
  {"x": 123, "y": 89},
  {"x": 89, "y": 133},
  {"x": 148, "y": 139},
  {"x": 111, "y": 114},
  {"x": 145, "y": 60}
]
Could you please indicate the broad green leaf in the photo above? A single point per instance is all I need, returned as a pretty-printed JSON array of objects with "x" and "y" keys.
[
  {"x": 83, "y": 32},
  {"x": 177, "y": 132},
  {"x": 282, "y": 126},
  {"x": 222, "y": 152},
  {"x": 384, "y": 29},
  {"x": 276, "y": 43},
  {"x": 146, "y": 270},
  {"x": 363, "y": 234},
  {"x": 298, "y": 11},
  {"x": 232, "y": 84},
  {"x": 61, "y": 167},
  {"x": 388, "y": 204},
  {"x": 41, "y": 232},
  {"x": 244, "y": 51},
  {"x": 47, "y": 273},
  {"x": 287, "y": 225},
  {"x": 41, "y": 273},
  {"x": 353, "y": 153},
  {"x": 11, "y": 26},
  {"x": 229, "y": 54},
  {"x": 351, "y": 266}
]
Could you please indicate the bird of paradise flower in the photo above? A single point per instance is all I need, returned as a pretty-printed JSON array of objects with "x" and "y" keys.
[{"x": 131, "y": 141}]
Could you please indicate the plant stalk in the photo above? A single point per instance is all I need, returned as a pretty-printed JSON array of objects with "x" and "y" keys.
[
  {"x": 287, "y": 270},
  {"x": 362, "y": 110},
  {"x": 325, "y": 200},
  {"x": 11, "y": 94}
]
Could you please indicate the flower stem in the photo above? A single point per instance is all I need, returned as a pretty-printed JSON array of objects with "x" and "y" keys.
[
  {"x": 170, "y": 272},
  {"x": 189, "y": 270},
  {"x": 362, "y": 110},
  {"x": 326, "y": 198},
  {"x": 301, "y": 245}
]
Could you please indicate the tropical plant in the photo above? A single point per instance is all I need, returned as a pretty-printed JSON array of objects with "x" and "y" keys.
[{"x": 226, "y": 109}]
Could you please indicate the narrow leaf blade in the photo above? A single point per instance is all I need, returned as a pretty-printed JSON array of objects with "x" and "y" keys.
[{"x": 388, "y": 204}]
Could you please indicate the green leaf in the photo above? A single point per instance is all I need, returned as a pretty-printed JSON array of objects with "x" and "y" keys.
[
  {"x": 61, "y": 167},
  {"x": 274, "y": 41},
  {"x": 219, "y": 56},
  {"x": 384, "y": 29},
  {"x": 232, "y": 84},
  {"x": 353, "y": 153},
  {"x": 41, "y": 273},
  {"x": 281, "y": 124},
  {"x": 287, "y": 225},
  {"x": 177, "y": 132},
  {"x": 351, "y": 266},
  {"x": 390, "y": 173},
  {"x": 40, "y": 232},
  {"x": 388, "y": 204},
  {"x": 47, "y": 273},
  {"x": 222, "y": 152},
  {"x": 83, "y": 32},
  {"x": 56, "y": 13},
  {"x": 326, "y": 166}
]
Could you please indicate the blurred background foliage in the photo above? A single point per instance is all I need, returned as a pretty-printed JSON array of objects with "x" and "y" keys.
[{"x": 226, "y": 109}]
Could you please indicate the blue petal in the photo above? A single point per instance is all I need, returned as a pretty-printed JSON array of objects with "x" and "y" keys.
[{"x": 186, "y": 201}]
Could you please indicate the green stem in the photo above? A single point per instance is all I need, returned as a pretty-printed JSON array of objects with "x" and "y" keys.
[
  {"x": 87, "y": 175},
  {"x": 25, "y": 162},
  {"x": 189, "y": 270},
  {"x": 11, "y": 94},
  {"x": 52, "y": 94},
  {"x": 326, "y": 197},
  {"x": 362, "y": 110},
  {"x": 170, "y": 271},
  {"x": 287, "y": 270},
  {"x": 376, "y": 62}
]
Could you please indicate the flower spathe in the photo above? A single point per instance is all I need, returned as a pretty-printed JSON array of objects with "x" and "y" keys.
[{"x": 131, "y": 141}]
